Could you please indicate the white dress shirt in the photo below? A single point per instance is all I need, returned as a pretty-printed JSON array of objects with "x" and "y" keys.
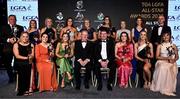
[
  {"x": 159, "y": 30},
  {"x": 84, "y": 44},
  {"x": 103, "y": 50}
]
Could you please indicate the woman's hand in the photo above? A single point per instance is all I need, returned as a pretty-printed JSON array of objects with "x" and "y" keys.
[
  {"x": 66, "y": 56},
  {"x": 148, "y": 56},
  {"x": 51, "y": 54},
  {"x": 171, "y": 60}
]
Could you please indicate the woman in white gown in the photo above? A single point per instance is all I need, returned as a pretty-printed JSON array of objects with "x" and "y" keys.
[{"x": 165, "y": 74}]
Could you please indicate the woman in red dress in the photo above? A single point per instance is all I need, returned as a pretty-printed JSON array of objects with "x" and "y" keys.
[{"x": 124, "y": 55}]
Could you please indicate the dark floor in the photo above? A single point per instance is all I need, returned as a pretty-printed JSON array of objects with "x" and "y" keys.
[{"x": 8, "y": 91}]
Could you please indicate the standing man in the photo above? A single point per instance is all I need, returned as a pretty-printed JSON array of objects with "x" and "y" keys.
[
  {"x": 10, "y": 34},
  {"x": 83, "y": 58},
  {"x": 157, "y": 31},
  {"x": 104, "y": 57}
]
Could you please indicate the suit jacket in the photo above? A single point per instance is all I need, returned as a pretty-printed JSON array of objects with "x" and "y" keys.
[
  {"x": 7, "y": 32},
  {"x": 83, "y": 53},
  {"x": 109, "y": 48},
  {"x": 155, "y": 37}
]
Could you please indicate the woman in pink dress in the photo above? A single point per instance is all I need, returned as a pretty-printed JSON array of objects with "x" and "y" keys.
[{"x": 124, "y": 55}]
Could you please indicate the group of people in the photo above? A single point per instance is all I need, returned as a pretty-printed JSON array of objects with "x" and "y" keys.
[{"x": 41, "y": 52}]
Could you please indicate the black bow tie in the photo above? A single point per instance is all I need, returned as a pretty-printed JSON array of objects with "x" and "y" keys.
[
  {"x": 103, "y": 41},
  {"x": 83, "y": 41}
]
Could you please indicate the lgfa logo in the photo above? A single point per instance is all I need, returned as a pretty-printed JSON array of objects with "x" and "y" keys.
[
  {"x": 177, "y": 28},
  {"x": 177, "y": 8},
  {"x": 27, "y": 18},
  {"x": 173, "y": 18},
  {"x": 20, "y": 8}
]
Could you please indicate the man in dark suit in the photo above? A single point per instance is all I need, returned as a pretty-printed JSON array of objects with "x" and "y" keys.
[
  {"x": 83, "y": 58},
  {"x": 10, "y": 35},
  {"x": 104, "y": 57},
  {"x": 157, "y": 32}
]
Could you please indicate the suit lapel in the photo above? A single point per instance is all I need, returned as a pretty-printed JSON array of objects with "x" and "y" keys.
[{"x": 107, "y": 47}]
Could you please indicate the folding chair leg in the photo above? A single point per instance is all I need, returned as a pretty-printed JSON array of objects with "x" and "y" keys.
[
  {"x": 115, "y": 80},
  {"x": 17, "y": 77},
  {"x": 58, "y": 77}
]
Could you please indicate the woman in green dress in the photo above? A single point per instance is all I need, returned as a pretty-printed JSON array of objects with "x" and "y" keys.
[{"x": 64, "y": 52}]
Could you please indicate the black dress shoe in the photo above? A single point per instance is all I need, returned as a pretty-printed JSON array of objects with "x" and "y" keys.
[
  {"x": 77, "y": 88},
  {"x": 10, "y": 81},
  {"x": 20, "y": 94},
  {"x": 86, "y": 86},
  {"x": 109, "y": 87},
  {"x": 99, "y": 88}
]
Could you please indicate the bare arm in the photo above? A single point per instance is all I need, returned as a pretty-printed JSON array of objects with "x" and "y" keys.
[
  {"x": 55, "y": 35},
  {"x": 176, "y": 52},
  {"x": 72, "y": 50},
  {"x": 16, "y": 52},
  {"x": 94, "y": 36},
  {"x": 136, "y": 52},
  {"x": 132, "y": 36},
  {"x": 57, "y": 51},
  {"x": 116, "y": 49},
  {"x": 158, "y": 54},
  {"x": 151, "y": 51}
]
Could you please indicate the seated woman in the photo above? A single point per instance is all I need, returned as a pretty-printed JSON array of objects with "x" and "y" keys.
[
  {"x": 143, "y": 54},
  {"x": 64, "y": 52},
  {"x": 165, "y": 74},
  {"x": 24, "y": 53},
  {"x": 124, "y": 55},
  {"x": 45, "y": 66}
]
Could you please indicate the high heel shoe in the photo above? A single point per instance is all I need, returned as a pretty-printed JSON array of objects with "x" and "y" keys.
[
  {"x": 126, "y": 86},
  {"x": 169, "y": 94},
  {"x": 149, "y": 85},
  {"x": 70, "y": 78},
  {"x": 30, "y": 91},
  {"x": 145, "y": 85}
]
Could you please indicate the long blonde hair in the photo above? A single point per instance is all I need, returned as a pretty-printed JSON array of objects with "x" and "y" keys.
[{"x": 146, "y": 40}]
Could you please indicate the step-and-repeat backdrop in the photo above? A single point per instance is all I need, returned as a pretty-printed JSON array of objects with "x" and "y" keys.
[{"x": 25, "y": 10}]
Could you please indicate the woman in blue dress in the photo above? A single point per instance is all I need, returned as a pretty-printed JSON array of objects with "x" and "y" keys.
[{"x": 134, "y": 37}]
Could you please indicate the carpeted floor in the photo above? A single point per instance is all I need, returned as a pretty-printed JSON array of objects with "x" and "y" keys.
[{"x": 8, "y": 91}]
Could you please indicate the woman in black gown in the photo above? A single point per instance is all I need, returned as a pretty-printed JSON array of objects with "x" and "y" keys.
[
  {"x": 24, "y": 53},
  {"x": 143, "y": 54}
]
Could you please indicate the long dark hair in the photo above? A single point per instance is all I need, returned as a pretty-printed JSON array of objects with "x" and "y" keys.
[
  {"x": 66, "y": 24},
  {"x": 31, "y": 22},
  {"x": 127, "y": 41},
  {"x": 45, "y": 34},
  {"x": 142, "y": 24},
  {"x": 110, "y": 23},
  {"x": 163, "y": 34}
]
